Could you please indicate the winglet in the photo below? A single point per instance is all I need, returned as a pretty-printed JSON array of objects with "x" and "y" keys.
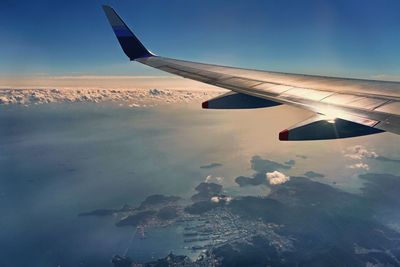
[{"x": 131, "y": 45}]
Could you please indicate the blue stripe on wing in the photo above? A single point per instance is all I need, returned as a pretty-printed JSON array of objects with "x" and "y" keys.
[
  {"x": 131, "y": 45},
  {"x": 122, "y": 31}
]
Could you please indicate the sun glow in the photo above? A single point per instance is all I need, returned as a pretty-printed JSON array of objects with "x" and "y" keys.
[{"x": 330, "y": 119}]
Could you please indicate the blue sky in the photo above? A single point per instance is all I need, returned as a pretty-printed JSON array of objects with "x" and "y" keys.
[{"x": 337, "y": 38}]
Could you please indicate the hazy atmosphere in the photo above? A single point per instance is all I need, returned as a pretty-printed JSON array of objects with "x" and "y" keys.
[
  {"x": 107, "y": 162},
  {"x": 68, "y": 168}
]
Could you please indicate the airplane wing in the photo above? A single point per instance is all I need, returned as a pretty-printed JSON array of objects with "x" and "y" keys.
[{"x": 343, "y": 107}]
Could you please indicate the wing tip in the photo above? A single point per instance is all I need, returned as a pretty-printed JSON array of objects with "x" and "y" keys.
[{"x": 130, "y": 44}]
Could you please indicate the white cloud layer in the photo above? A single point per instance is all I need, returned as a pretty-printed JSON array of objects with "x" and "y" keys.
[
  {"x": 275, "y": 178},
  {"x": 134, "y": 98}
]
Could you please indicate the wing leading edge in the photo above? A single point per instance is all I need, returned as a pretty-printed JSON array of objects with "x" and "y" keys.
[{"x": 343, "y": 107}]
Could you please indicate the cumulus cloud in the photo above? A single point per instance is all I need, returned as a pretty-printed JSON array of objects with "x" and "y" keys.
[
  {"x": 212, "y": 179},
  {"x": 360, "y": 165},
  {"x": 215, "y": 199},
  {"x": 218, "y": 199},
  {"x": 261, "y": 166},
  {"x": 359, "y": 152},
  {"x": 275, "y": 178}
]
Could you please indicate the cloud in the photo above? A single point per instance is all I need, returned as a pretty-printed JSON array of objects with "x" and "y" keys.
[
  {"x": 359, "y": 152},
  {"x": 133, "y": 97},
  {"x": 360, "y": 165},
  {"x": 210, "y": 179},
  {"x": 275, "y": 178},
  {"x": 261, "y": 166},
  {"x": 215, "y": 199},
  {"x": 218, "y": 199}
]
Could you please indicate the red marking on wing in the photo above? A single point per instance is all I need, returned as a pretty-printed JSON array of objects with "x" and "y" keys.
[
  {"x": 204, "y": 104},
  {"x": 284, "y": 135}
]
